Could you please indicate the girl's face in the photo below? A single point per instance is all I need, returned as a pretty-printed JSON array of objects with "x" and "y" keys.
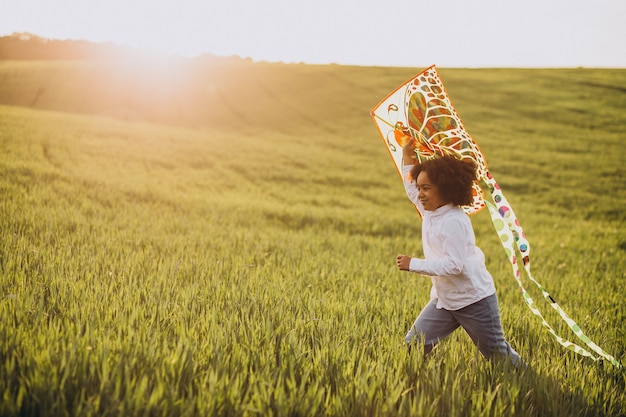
[{"x": 428, "y": 193}]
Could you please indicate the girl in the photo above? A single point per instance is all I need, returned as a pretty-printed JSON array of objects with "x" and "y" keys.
[{"x": 463, "y": 291}]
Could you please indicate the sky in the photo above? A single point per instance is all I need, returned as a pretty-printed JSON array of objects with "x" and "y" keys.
[{"x": 404, "y": 33}]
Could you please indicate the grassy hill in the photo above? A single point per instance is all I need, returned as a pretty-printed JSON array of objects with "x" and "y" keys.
[
  {"x": 575, "y": 113},
  {"x": 216, "y": 237}
]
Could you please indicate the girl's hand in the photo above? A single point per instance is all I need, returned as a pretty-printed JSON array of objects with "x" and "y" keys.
[
  {"x": 408, "y": 153},
  {"x": 403, "y": 262}
]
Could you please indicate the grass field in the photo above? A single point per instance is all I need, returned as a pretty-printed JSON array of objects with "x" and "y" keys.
[{"x": 219, "y": 239}]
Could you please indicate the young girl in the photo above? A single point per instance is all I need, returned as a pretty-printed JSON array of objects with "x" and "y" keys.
[{"x": 463, "y": 291}]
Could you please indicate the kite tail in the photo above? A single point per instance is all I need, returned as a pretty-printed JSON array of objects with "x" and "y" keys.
[{"x": 511, "y": 235}]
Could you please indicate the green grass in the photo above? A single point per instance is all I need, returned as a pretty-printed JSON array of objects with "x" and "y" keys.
[{"x": 231, "y": 251}]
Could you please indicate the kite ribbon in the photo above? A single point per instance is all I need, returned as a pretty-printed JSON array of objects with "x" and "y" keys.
[
  {"x": 507, "y": 227},
  {"x": 511, "y": 236}
]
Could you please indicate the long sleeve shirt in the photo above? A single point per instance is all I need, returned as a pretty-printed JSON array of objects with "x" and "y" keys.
[{"x": 452, "y": 259}]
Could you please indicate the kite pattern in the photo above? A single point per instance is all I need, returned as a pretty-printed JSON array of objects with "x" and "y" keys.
[{"x": 421, "y": 110}]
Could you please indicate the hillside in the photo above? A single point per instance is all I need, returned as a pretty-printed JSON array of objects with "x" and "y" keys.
[
  {"x": 516, "y": 112},
  {"x": 208, "y": 91},
  {"x": 192, "y": 93}
]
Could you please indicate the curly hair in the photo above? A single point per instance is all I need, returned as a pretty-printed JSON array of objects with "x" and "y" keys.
[{"x": 453, "y": 177}]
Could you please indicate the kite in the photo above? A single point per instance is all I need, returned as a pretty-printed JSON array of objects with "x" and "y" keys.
[{"x": 421, "y": 110}]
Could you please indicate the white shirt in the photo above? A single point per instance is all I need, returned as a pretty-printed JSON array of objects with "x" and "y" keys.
[{"x": 452, "y": 259}]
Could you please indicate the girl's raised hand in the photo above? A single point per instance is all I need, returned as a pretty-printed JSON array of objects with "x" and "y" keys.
[{"x": 408, "y": 153}]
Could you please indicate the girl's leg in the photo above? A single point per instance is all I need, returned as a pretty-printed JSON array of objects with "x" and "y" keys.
[
  {"x": 432, "y": 325},
  {"x": 481, "y": 321}
]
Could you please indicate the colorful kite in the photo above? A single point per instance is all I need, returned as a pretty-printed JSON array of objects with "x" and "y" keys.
[{"x": 421, "y": 110}]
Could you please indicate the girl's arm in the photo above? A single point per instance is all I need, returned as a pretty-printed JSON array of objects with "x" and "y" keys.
[
  {"x": 454, "y": 243},
  {"x": 408, "y": 160},
  {"x": 408, "y": 153}
]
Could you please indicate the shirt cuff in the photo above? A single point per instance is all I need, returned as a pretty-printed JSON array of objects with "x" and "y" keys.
[{"x": 414, "y": 265}]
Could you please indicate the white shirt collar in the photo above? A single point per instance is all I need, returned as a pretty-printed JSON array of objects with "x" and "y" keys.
[{"x": 441, "y": 210}]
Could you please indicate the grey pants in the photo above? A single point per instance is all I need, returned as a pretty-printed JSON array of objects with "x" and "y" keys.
[{"x": 480, "y": 320}]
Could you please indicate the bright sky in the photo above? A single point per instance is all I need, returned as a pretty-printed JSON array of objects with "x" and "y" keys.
[{"x": 412, "y": 33}]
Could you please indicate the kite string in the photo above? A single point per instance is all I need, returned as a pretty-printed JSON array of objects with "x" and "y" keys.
[{"x": 513, "y": 233}]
